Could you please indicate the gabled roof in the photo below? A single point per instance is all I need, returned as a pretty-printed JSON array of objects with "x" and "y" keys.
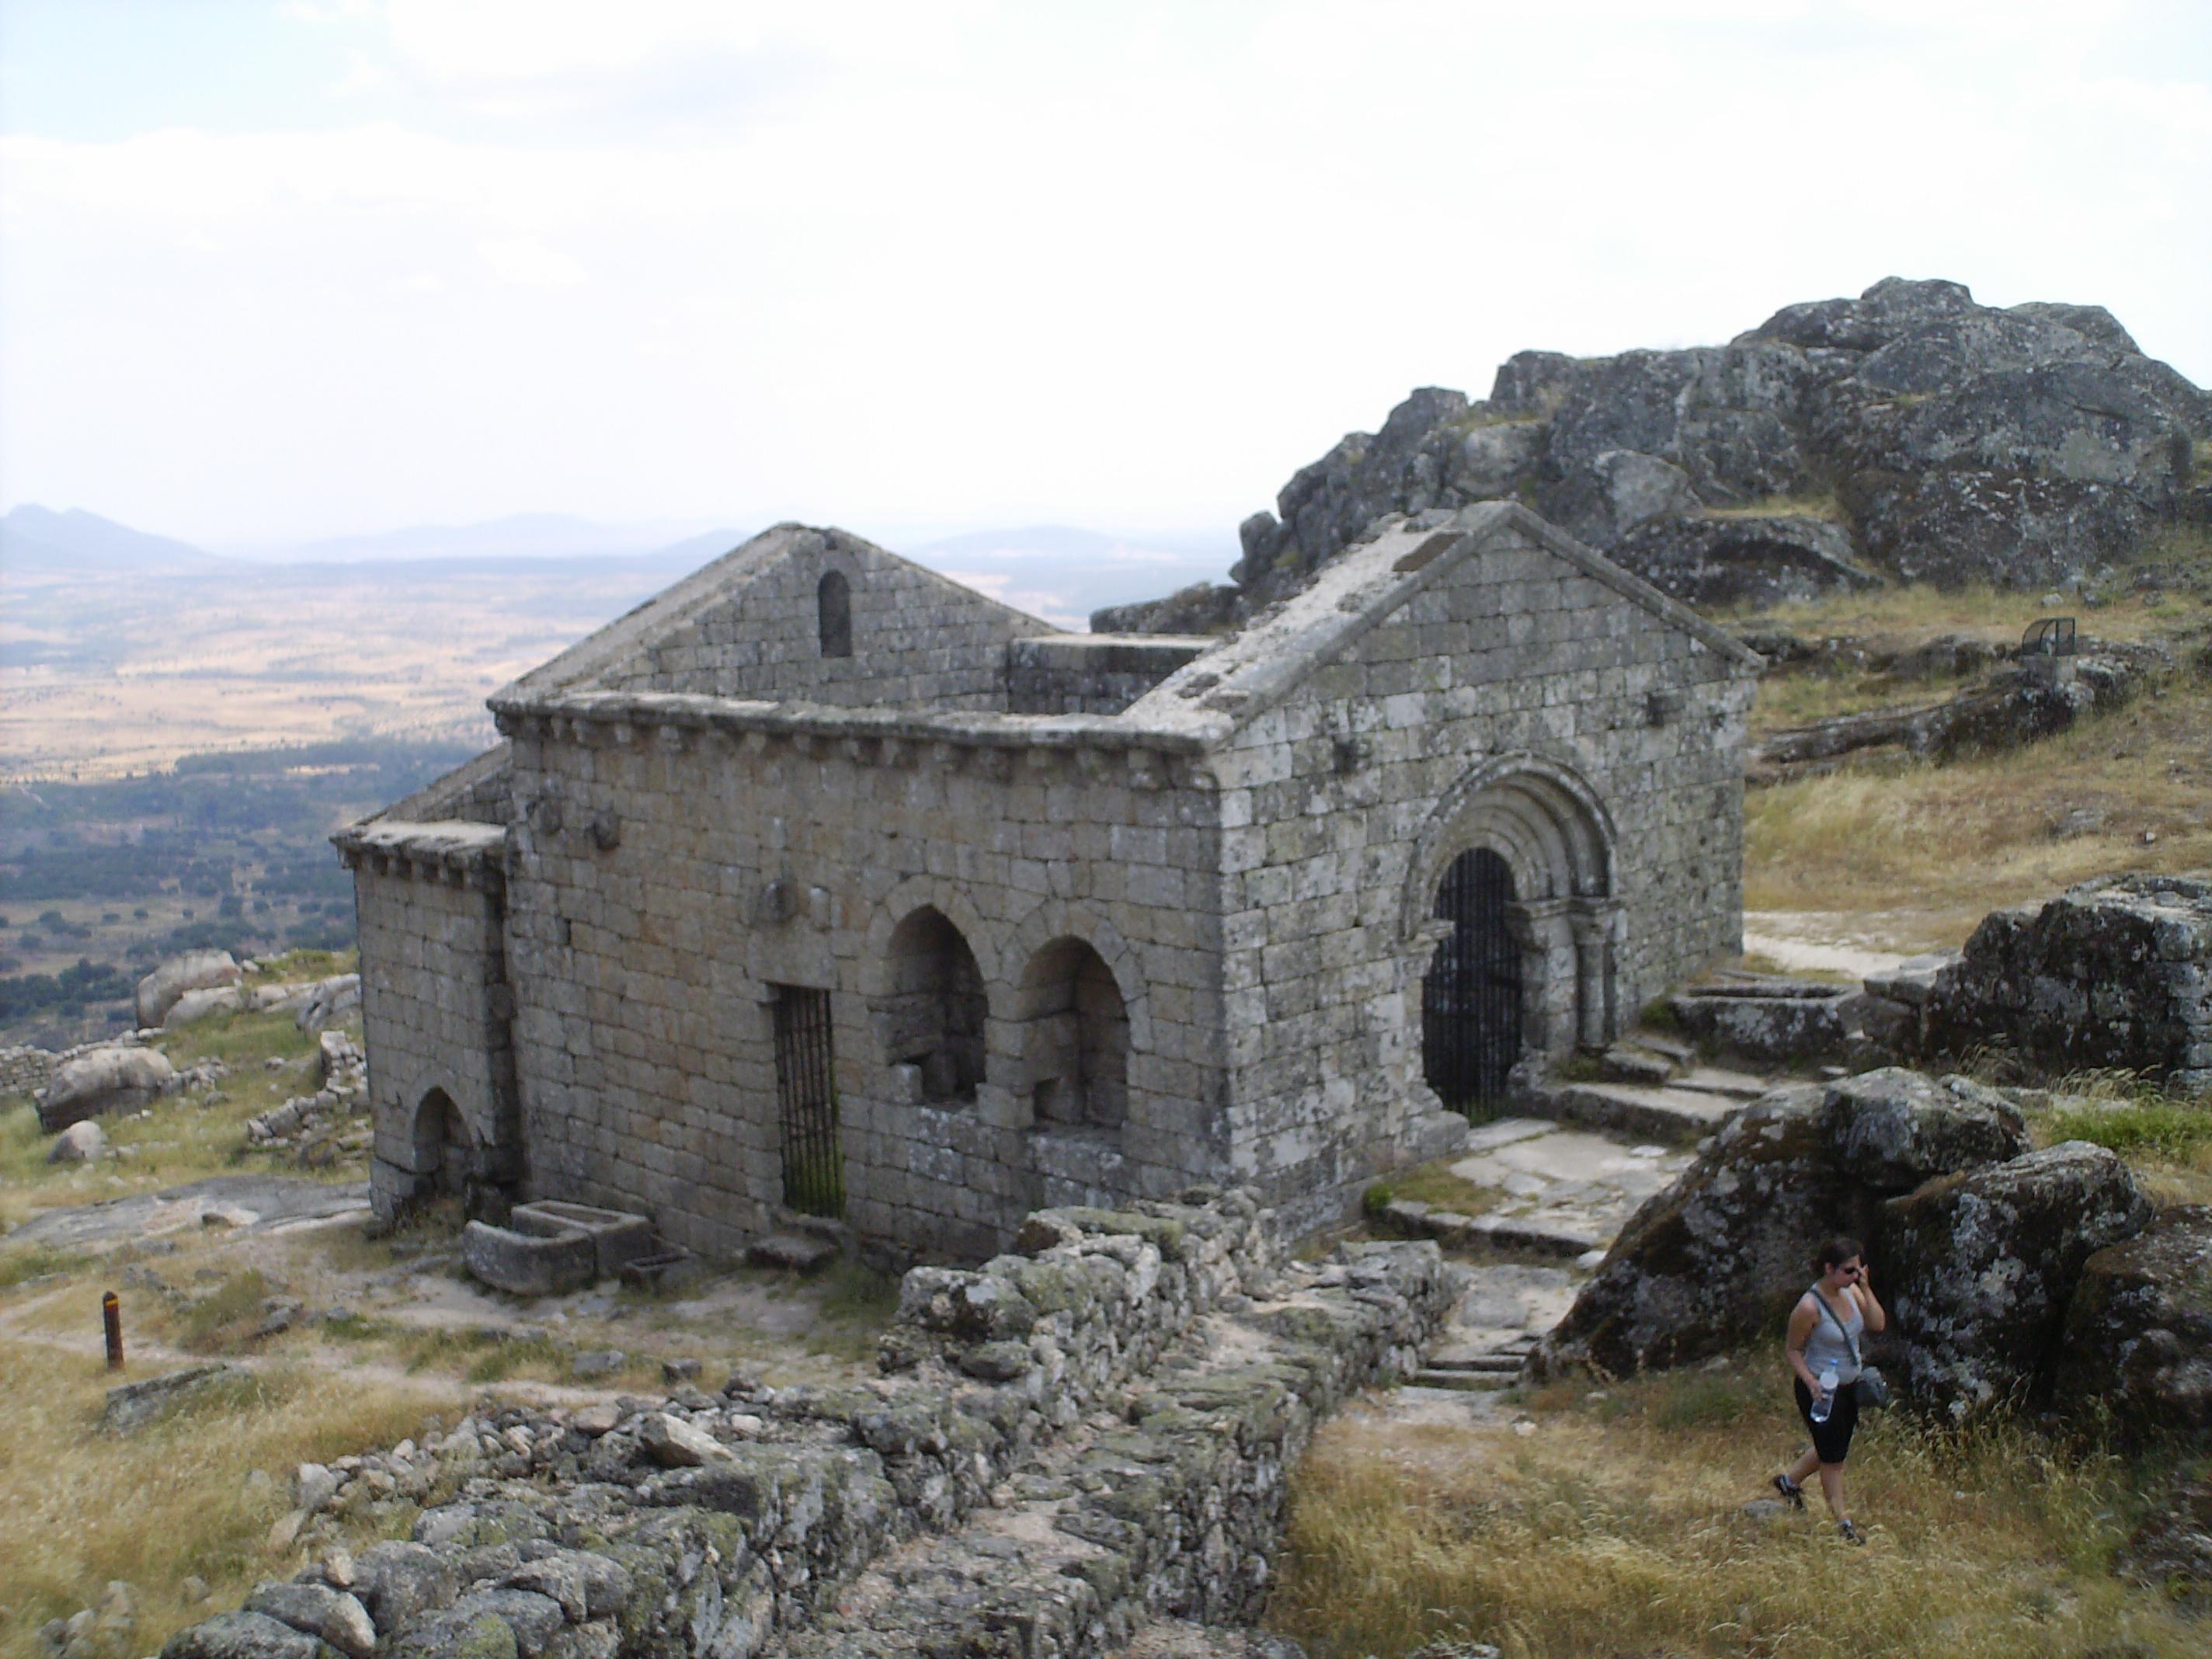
[
  {"x": 633, "y": 636},
  {"x": 1256, "y": 668}
]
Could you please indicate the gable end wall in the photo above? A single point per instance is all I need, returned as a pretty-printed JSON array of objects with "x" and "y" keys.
[
  {"x": 1333, "y": 797},
  {"x": 918, "y": 639}
]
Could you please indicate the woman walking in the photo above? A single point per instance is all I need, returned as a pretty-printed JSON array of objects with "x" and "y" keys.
[{"x": 1822, "y": 1347}]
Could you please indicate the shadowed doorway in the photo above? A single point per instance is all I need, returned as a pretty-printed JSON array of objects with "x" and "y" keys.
[{"x": 1471, "y": 995}]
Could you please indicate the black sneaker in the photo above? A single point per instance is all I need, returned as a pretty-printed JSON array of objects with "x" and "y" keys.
[
  {"x": 1849, "y": 1532},
  {"x": 1792, "y": 1493}
]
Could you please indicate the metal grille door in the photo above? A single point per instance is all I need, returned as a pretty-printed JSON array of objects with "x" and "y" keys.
[
  {"x": 1470, "y": 997},
  {"x": 806, "y": 1090}
]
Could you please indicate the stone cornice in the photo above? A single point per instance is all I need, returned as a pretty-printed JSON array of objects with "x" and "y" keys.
[
  {"x": 518, "y": 712},
  {"x": 464, "y": 854}
]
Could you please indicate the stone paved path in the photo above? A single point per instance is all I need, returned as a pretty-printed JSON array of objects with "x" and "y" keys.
[{"x": 1560, "y": 1187}]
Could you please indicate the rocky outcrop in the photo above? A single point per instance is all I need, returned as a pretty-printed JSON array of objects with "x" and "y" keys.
[
  {"x": 1717, "y": 1258},
  {"x": 327, "y": 1001},
  {"x": 2136, "y": 1346},
  {"x": 1978, "y": 1268},
  {"x": 1091, "y": 1431},
  {"x": 2114, "y": 973},
  {"x": 1978, "y": 1246},
  {"x": 103, "y": 1080},
  {"x": 1753, "y": 559},
  {"x": 2013, "y": 707},
  {"x": 202, "y": 1004},
  {"x": 1947, "y": 441},
  {"x": 195, "y": 970}
]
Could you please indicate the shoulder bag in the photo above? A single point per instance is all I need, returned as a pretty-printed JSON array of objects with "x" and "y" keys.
[{"x": 1872, "y": 1388}]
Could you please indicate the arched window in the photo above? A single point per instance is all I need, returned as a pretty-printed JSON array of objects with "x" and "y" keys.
[
  {"x": 1075, "y": 1038},
  {"x": 833, "y": 604},
  {"x": 931, "y": 1012}
]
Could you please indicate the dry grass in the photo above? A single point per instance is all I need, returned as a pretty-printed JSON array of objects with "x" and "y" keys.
[
  {"x": 1435, "y": 1183},
  {"x": 1957, "y": 841},
  {"x": 1909, "y": 615},
  {"x": 1786, "y": 700},
  {"x": 1617, "y": 1527},
  {"x": 1784, "y": 506},
  {"x": 177, "y": 1498}
]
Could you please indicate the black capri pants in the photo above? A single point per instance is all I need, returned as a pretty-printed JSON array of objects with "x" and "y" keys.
[{"x": 1832, "y": 1440}]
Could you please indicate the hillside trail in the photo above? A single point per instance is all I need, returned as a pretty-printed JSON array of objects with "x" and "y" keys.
[{"x": 1557, "y": 1189}]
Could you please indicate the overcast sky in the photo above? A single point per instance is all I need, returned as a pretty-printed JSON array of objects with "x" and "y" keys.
[{"x": 273, "y": 271}]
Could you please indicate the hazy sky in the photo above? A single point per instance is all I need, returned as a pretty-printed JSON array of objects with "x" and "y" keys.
[{"x": 288, "y": 270}]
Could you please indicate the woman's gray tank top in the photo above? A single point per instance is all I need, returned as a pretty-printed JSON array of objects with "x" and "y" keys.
[{"x": 1827, "y": 1345}]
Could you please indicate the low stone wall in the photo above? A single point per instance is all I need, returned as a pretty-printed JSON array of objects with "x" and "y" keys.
[
  {"x": 1095, "y": 1428},
  {"x": 25, "y": 1070}
]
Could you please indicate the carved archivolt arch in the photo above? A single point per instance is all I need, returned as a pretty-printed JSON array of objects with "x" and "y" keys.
[
  {"x": 1555, "y": 836},
  {"x": 1537, "y": 814}
]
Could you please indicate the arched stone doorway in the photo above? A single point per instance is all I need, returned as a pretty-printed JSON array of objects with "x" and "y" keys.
[
  {"x": 1510, "y": 904},
  {"x": 445, "y": 1157},
  {"x": 1471, "y": 995},
  {"x": 1075, "y": 1039}
]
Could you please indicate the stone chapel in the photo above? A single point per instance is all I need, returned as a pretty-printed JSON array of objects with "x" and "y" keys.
[{"x": 822, "y": 883}]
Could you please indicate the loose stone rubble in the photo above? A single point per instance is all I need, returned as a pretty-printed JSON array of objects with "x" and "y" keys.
[
  {"x": 311, "y": 1123},
  {"x": 1091, "y": 1431}
]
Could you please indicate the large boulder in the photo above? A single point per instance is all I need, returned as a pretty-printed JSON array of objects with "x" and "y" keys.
[
  {"x": 1978, "y": 1267},
  {"x": 2136, "y": 1346},
  {"x": 1953, "y": 442},
  {"x": 1717, "y": 1258},
  {"x": 196, "y": 1005},
  {"x": 104, "y": 1080},
  {"x": 2113, "y": 972},
  {"x": 329, "y": 1000},
  {"x": 1756, "y": 560},
  {"x": 195, "y": 970}
]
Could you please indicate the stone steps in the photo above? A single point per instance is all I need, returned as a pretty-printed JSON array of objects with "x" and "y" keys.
[
  {"x": 1682, "y": 1116},
  {"x": 1430, "y": 1377}
]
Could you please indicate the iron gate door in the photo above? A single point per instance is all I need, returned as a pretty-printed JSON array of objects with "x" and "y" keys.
[
  {"x": 1470, "y": 997},
  {"x": 806, "y": 1090}
]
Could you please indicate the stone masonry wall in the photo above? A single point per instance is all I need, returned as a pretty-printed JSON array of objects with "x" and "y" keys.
[
  {"x": 1094, "y": 1430},
  {"x": 918, "y": 639},
  {"x": 434, "y": 1003},
  {"x": 667, "y": 879},
  {"x": 1345, "y": 804},
  {"x": 1090, "y": 673}
]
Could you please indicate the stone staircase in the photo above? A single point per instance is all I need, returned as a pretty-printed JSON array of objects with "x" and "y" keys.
[{"x": 1561, "y": 1182}]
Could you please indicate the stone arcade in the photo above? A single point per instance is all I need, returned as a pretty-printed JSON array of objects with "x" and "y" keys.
[{"x": 820, "y": 883}]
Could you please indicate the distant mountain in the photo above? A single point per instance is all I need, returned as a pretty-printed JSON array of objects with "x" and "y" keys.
[
  {"x": 1064, "y": 574},
  {"x": 38, "y": 538},
  {"x": 1059, "y": 572},
  {"x": 523, "y": 535}
]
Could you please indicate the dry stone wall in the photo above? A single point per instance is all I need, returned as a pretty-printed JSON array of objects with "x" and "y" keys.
[{"x": 1093, "y": 1429}]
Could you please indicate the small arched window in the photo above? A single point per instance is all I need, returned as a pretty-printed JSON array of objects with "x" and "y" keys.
[{"x": 833, "y": 602}]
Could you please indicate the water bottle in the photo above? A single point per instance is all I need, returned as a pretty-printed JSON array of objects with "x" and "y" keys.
[{"x": 1825, "y": 1401}]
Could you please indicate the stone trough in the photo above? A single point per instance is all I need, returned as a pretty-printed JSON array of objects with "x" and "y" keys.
[{"x": 549, "y": 1248}]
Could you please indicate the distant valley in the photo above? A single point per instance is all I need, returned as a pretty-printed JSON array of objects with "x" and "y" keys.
[{"x": 121, "y": 650}]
